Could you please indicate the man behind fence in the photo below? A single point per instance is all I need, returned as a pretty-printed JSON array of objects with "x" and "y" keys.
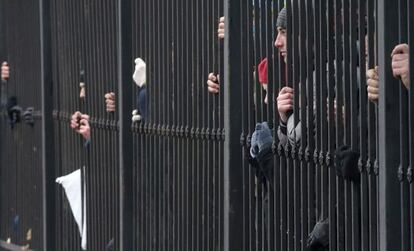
[{"x": 261, "y": 156}]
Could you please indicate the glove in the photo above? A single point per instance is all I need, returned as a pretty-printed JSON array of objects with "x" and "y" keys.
[
  {"x": 139, "y": 75},
  {"x": 110, "y": 245},
  {"x": 318, "y": 239},
  {"x": 347, "y": 163},
  {"x": 262, "y": 139},
  {"x": 13, "y": 111},
  {"x": 28, "y": 116}
]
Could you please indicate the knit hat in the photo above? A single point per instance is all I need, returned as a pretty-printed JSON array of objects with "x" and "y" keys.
[
  {"x": 281, "y": 19},
  {"x": 263, "y": 72}
]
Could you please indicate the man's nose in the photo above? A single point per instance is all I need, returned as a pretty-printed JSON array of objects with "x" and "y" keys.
[{"x": 277, "y": 42}]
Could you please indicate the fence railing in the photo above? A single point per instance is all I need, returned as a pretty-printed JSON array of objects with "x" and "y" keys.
[{"x": 183, "y": 177}]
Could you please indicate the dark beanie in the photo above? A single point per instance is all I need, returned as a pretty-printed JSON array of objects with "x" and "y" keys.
[{"x": 281, "y": 18}]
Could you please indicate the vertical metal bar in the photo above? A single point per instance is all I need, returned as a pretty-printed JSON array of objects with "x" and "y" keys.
[
  {"x": 125, "y": 136},
  {"x": 323, "y": 110},
  {"x": 232, "y": 120},
  {"x": 404, "y": 137},
  {"x": 48, "y": 170},
  {"x": 339, "y": 77},
  {"x": 390, "y": 231},
  {"x": 347, "y": 123},
  {"x": 296, "y": 84},
  {"x": 304, "y": 112},
  {"x": 363, "y": 144},
  {"x": 317, "y": 118},
  {"x": 290, "y": 151},
  {"x": 410, "y": 8},
  {"x": 310, "y": 148},
  {"x": 245, "y": 104},
  {"x": 372, "y": 125},
  {"x": 3, "y": 97},
  {"x": 333, "y": 64},
  {"x": 355, "y": 193}
]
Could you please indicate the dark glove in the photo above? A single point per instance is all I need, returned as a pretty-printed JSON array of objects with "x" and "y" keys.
[
  {"x": 319, "y": 237},
  {"x": 13, "y": 111},
  {"x": 28, "y": 116},
  {"x": 262, "y": 140},
  {"x": 110, "y": 245},
  {"x": 347, "y": 163}
]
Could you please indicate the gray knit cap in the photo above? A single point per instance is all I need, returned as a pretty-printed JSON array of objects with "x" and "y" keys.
[{"x": 281, "y": 19}]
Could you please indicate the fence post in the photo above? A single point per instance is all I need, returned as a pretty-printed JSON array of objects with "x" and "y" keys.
[
  {"x": 125, "y": 134},
  {"x": 389, "y": 186},
  {"x": 2, "y": 87},
  {"x": 48, "y": 153},
  {"x": 3, "y": 52},
  {"x": 233, "y": 189}
]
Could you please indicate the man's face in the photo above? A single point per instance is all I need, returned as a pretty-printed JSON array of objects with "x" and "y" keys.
[{"x": 280, "y": 42}]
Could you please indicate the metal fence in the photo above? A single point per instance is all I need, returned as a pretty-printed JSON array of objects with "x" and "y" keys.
[
  {"x": 182, "y": 178},
  {"x": 20, "y": 156}
]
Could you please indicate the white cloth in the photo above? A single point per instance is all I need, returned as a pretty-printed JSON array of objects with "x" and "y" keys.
[
  {"x": 71, "y": 183},
  {"x": 140, "y": 76}
]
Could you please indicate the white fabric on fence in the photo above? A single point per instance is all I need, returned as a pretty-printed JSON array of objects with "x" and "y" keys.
[{"x": 71, "y": 183}]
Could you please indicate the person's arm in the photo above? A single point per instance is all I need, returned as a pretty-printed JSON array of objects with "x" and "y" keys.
[
  {"x": 288, "y": 133},
  {"x": 294, "y": 133},
  {"x": 282, "y": 133}
]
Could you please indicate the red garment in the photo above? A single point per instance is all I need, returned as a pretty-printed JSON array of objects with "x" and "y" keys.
[{"x": 263, "y": 72}]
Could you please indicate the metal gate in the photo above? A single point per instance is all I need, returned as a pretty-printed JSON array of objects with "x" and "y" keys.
[
  {"x": 21, "y": 204},
  {"x": 182, "y": 178}
]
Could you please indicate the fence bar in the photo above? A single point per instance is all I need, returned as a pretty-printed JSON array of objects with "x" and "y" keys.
[
  {"x": 3, "y": 97},
  {"x": 47, "y": 128},
  {"x": 404, "y": 136},
  {"x": 304, "y": 86},
  {"x": 364, "y": 206},
  {"x": 372, "y": 132},
  {"x": 410, "y": 8},
  {"x": 233, "y": 195},
  {"x": 389, "y": 219},
  {"x": 310, "y": 147},
  {"x": 125, "y": 134}
]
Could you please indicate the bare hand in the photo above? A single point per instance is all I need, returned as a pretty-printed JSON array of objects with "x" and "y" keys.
[
  {"x": 85, "y": 129},
  {"x": 5, "y": 71},
  {"x": 401, "y": 64},
  {"x": 285, "y": 102},
  {"x": 220, "y": 30},
  {"x": 110, "y": 102},
  {"x": 213, "y": 83},
  {"x": 80, "y": 123},
  {"x": 373, "y": 84}
]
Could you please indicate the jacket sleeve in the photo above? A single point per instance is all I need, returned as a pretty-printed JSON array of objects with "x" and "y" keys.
[{"x": 289, "y": 133}]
